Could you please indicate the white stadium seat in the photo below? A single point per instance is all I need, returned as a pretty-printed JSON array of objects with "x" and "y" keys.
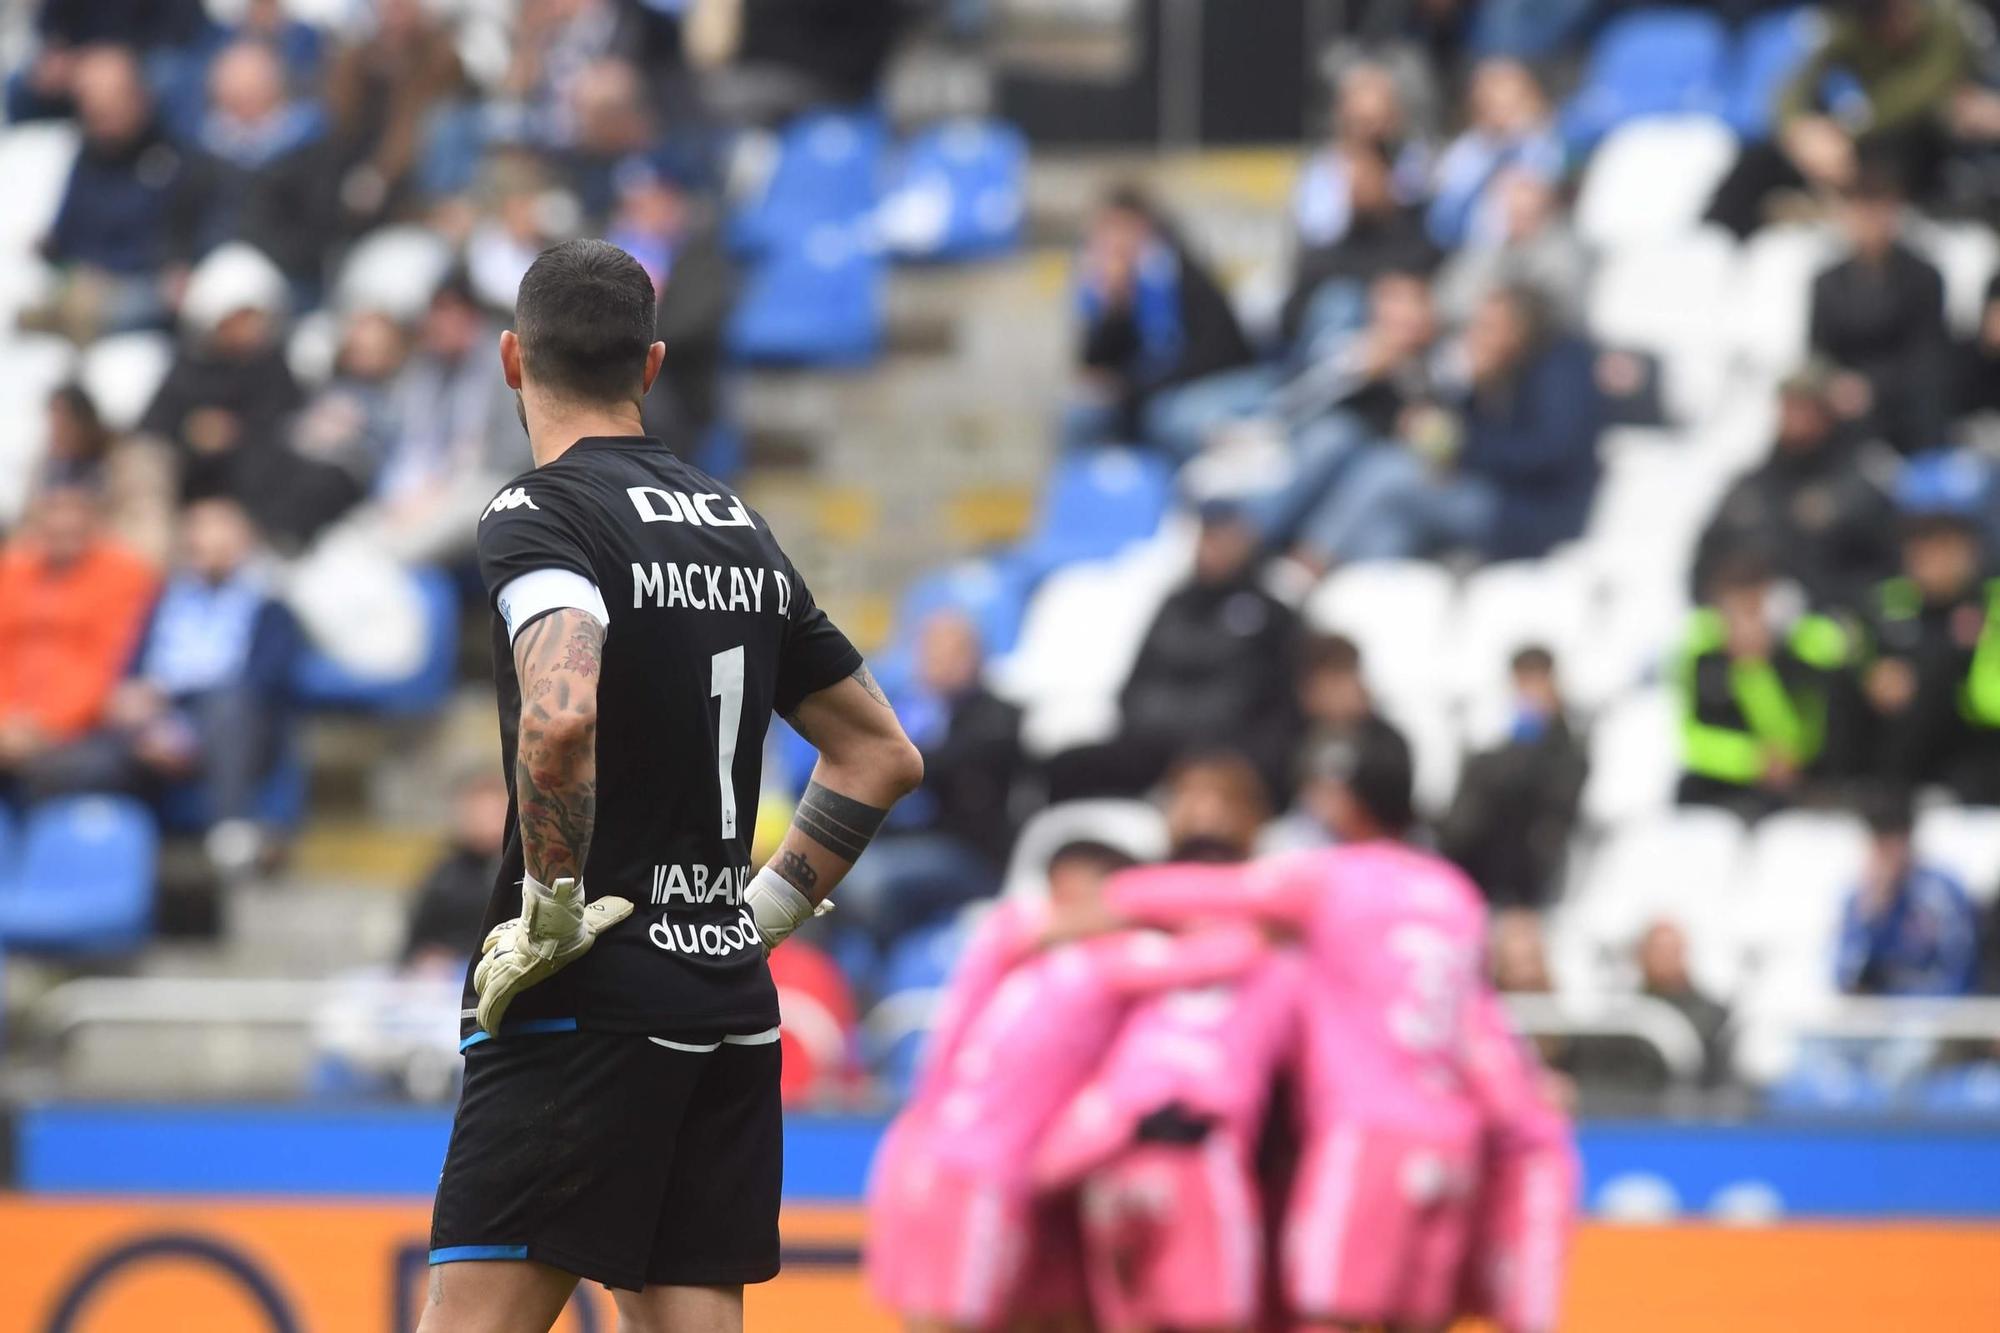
[
  {"x": 1135, "y": 827},
  {"x": 1398, "y": 612},
  {"x": 1670, "y": 298},
  {"x": 1771, "y": 295},
  {"x": 1651, "y": 179},
  {"x": 1634, "y": 758},
  {"x": 1506, "y": 607},
  {"x": 1966, "y": 841},
  {"x": 1966, "y": 254},
  {"x": 123, "y": 372},
  {"x": 394, "y": 270},
  {"x": 35, "y": 162},
  {"x": 1677, "y": 866},
  {"x": 1803, "y": 864},
  {"x": 1436, "y": 748}
]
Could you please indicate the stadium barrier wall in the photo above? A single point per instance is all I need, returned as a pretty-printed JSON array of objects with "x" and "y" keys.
[{"x": 290, "y": 1221}]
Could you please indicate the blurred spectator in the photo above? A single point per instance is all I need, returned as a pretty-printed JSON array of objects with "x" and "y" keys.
[
  {"x": 350, "y": 422},
  {"x": 71, "y": 604},
  {"x": 79, "y": 441},
  {"x": 1215, "y": 668},
  {"x": 1152, "y": 317},
  {"x": 1382, "y": 234},
  {"x": 109, "y": 239},
  {"x": 226, "y": 405},
  {"x": 1368, "y": 108},
  {"x": 1530, "y": 245},
  {"x": 1934, "y": 677},
  {"x": 1879, "y": 314},
  {"x": 523, "y": 217},
  {"x": 1509, "y": 130},
  {"x": 1816, "y": 507},
  {"x": 613, "y": 123},
  {"x": 449, "y": 916},
  {"x": 1509, "y": 472},
  {"x": 262, "y": 172},
  {"x": 1664, "y": 976},
  {"x": 947, "y": 845},
  {"x": 390, "y": 91},
  {"x": 205, "y": 699},
  {"x": 554, "y": 45},
  {"x": 1975, "y": 377},
  {"x": 677, "y": 240},
  {"x": 1909, "y": 928},
  {"x": 1757, "y": 693},
  {"x": 1339, "y": 714},
  {"x": 136, "y": 483},
  {"x": 1876, "y": 89},
  {"x": 66, "y": 30},
  {"x": 456, "y": 434},
  {"x": 1510, "y": 824},
  {"x": 766, "y": 59},
  {"x": 1217, "y": 807}
]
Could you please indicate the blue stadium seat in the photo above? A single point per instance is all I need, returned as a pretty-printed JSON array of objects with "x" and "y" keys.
[
  {"x": 924, "y": 958},
  {"x": 10, "y": 835},
  {"x": 1649, "y": 62},
  {"x": 320, "y": 682},
  {"x": 281, "y": 803},
  {"x": 814, "y": 300},
  {"x": 830, "y": 169},
  {"x": 1098, "y": 502},
  {"x": 84, "y": 882},
  {"x": 960, "y": 192},
  {"x": 992, "y": 593},
  {"x": 1967, "y": 1090},
  {"x": 1769, "y": 48}
]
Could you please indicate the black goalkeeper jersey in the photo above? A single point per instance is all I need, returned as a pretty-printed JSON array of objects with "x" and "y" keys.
[{"x": 711, "y": 631}]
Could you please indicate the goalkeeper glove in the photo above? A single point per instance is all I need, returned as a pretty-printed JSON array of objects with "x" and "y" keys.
[
  {"x": 778, "y": 908},
  {"x": 556, "y": 927}
]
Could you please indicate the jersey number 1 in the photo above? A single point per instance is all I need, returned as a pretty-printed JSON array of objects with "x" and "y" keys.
[{"x": 725, "y": 682}]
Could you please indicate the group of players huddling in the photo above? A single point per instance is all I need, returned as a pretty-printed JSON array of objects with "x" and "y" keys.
[
  {"x": 1117, "y": 1042},
  {"x": 1082, "y": 1148}
]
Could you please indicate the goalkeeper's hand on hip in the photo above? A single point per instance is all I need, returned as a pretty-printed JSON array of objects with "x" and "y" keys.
[{"x": 556, "y": 927}]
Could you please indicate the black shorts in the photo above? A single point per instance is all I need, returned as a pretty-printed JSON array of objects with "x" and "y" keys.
[{"x": 623, "y": 1159}]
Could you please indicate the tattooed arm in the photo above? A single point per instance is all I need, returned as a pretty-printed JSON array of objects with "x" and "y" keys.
[{"x": 558, "y": 658}]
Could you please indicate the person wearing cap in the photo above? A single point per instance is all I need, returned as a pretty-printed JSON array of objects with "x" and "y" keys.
[
  {"x": 1760, "y": 692},
  {"x": 1933, "y": 632},
  {"x": 1818, "y": 505}
]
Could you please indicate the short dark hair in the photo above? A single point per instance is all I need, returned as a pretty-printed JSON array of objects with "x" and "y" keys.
[
  {"x": 1534, "y": 659},
  {"x": 1889, "y": 810},
  {"x": 1382, "y": 777},
  {"x": 1331, "y": 652},
  {"x": 584, "y": 315}
]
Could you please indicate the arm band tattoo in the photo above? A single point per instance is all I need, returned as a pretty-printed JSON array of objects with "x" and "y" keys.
[{"x": 841, "y": 824}]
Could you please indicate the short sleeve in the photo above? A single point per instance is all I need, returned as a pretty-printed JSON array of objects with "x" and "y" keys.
[
  {"x": 816, "y": 654},
  {"x": 529, "y": 527}
]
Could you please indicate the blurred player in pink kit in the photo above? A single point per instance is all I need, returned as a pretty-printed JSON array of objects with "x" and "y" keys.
[
  {"x": 952, "y": 1208},
  {"x": 1529, "y": 1185},
  {"x": 1162, "y": 1143},
  {"x": 1382, "y": 1206}
]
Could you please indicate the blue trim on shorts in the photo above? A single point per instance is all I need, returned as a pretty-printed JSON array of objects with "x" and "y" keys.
[
  {"x": 457, "y": 1254},
  {"x": 527, "y": 1028}
]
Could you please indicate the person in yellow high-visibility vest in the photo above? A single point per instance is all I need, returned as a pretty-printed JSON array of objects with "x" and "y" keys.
[{"x": 1757, "y": 691}]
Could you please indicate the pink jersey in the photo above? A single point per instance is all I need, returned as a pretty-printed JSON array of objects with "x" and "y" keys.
[
  {"x": 1006, "y": 1065},
  {"x": 1211, "y": 1050},
  {"x": 1509, "y": 1081},
  {"x": 1395, "y": 938}
]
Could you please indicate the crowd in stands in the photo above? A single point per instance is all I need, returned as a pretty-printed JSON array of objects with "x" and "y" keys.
[{"x": 1621, "y": 426}]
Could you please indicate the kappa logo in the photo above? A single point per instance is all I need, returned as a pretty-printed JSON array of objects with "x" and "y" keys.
[{"x": 514, "y": 498}]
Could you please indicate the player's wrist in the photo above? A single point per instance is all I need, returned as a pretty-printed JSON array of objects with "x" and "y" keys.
[{"x": 778, "y": 907}]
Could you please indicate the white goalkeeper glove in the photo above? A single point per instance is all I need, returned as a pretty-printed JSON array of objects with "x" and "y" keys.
[
  {"x": 556, "y": 927},
  {"x": 778, "y": 908}
]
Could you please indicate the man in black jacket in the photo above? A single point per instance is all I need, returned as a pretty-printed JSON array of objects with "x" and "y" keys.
[{"x": 1817, "y": 506}]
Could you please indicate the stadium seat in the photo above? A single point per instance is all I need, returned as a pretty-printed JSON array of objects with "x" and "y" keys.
[
  {"x": 1136, "y": 827},
  {"x": 35, "y": 161},
  {"x": 123, "y": 372},
  {"x": 991, "y": 593},
  {"x": 84, "y": 880},
  {"x": 10, "y": 838},
  {"x": 818, "y": 1022},
  {"x": 959, "y": 193},
  {"x": 1095, "y": 503},
  {"x": 1768, "y": 49},
  {"x": 1436, "y": 747},
  {"x": 815, "y": 299},
  {"x": 1649, "y": 62},
  {"x": 829, "y": 169},
  {"x": 1771, "y": 294},
  {"x": 1966, "y": 255},
  {"x": 1650, "y": 180},
  {"x": 1803, "y": 864},
  {"x": 1679, "y": 865},
  {"x": 394, "y": 270},
  {"x": 1634, "y": 758},
  {"x": 281, "y": 802},
  {"x": 1670, "y": 298},
  {"x": 1398, "y": 612},
  {"x": 320, "y": 682},
  {"x": 1506, "y": 607},
  {"x": 1966, "y": 841}
]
